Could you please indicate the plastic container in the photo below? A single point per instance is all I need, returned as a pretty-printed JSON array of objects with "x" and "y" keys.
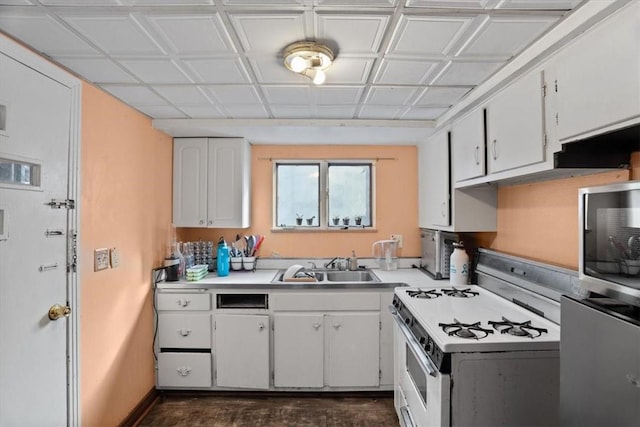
[
  {"x": 236, "y": 263},
  {"x": 459, "y": 265},
  {"x": 386, "y": 254},
  {"x": 223, "y": 258}
]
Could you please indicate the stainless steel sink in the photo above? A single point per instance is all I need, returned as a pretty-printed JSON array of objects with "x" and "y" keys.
[
  {"x": 319, "y": 276},
  {"x": 352, "y": 276},
  {"x": 333, "y": 276}
]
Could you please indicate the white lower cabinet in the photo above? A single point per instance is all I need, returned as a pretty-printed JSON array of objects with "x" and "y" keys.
[
  {"x": 298, "y": 350},
  {"x": 314, "y": 350},
  {"x": 183, "y": 344},
  {"x": 353, "y": 358},
  {"x": 306, "y": 340},
  {"x": 242, "y": 350},
  {"x": 184, "y": 370},
  {"x": 326, "y": 339}
]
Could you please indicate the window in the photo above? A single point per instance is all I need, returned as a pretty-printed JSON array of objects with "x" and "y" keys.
[
  {"x": 323, "y": 194},
  {"x": 19, "y": 173}
]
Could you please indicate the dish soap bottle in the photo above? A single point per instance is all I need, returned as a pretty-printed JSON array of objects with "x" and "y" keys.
[
  {"x": 459, "y": 265},
  {"x": 223, "y": 258}
]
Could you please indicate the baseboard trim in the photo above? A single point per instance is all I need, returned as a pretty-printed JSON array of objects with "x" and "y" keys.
[{"x": 141, "y": 409}]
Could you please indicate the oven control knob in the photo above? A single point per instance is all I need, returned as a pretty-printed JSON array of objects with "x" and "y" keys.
[
  {"x": 429, "y": 347},
  {"x": 422, "y": 340},
  {"x": 407, "y": 321}
]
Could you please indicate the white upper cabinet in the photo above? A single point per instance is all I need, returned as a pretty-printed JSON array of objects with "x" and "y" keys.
[
  {"x": 515, "y": 125},
  {"x": 190, "y": 182},
  {"x": 442, "y": 207},
  {"x": 468, "y": 146},
  {"x": 433, "y": 181},
  {"x": 598, "y": 78},
  {"x": 211, "y": 182}
]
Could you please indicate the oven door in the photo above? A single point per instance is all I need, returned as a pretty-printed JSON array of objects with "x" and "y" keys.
[{"x": 421, "y": 393}]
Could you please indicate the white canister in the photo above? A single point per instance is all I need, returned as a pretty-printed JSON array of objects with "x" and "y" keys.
[{"x": 459, "y": 265}]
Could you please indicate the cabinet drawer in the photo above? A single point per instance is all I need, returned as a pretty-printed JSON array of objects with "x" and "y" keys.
[
  {"x": 184, "y": 301},
  {"x": 184, "y": 370},
  {"x": 326, "y": 301},
  {"x": 184, "y": 331}
]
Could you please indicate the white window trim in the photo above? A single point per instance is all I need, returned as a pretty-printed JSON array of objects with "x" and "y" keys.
[{"x": 323, "y": 193}]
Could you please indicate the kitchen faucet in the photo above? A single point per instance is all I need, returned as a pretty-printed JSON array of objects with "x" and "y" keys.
[
  {"x": 336, "y": 263},
  {"x": 313, "y": 265}
]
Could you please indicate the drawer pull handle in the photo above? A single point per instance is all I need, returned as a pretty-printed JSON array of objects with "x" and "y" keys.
[
  {"x": 337, "y": 325},
  {"x": 261, "y": 326},
  {"x": 316, "y": 326},
  {"x": 183, "y": 371},
  {"x": 184, "y": 332},
  {"x": 183, "y": 302}
]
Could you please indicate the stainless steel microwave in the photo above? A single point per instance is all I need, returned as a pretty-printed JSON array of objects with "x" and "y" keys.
[
  {"x": 609, "y": 256},
  {"x": 436, "y": 251}
]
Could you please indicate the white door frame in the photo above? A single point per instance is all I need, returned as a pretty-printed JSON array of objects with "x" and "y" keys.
[{"x": 40, "y": 64}]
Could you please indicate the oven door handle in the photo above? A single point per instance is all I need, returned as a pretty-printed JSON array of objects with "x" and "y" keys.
[{"x": 422, "y": 358}]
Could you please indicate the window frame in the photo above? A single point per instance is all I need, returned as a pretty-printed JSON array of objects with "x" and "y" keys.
[{"x": 323, "y": 194}]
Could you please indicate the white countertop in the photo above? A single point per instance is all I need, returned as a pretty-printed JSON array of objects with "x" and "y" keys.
[{"x": 261, "y": 277}]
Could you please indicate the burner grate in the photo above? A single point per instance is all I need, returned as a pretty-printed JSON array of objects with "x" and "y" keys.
[
  {"x": 465, "y": 330},
  {"x": 425, "y": 294},
  {"x": 460, "y": 293},
  {"x": 520, "y": 329}
]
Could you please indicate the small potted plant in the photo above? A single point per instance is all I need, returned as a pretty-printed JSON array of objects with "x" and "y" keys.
[
  {"x": 358, "y": 219},
  {"x": 310, "y": 220},
  {"x": 346, "y": 220},
  {"x": 336, "y": 220},
  {"x": 299, "y": 219}
]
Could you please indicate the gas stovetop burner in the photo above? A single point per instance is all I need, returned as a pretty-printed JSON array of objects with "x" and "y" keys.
[
  {"x": 459, "y": 293},
  {"x": 523, "y": 329},
  {"x": 420, "y": 293},
  {"x": 465, "y": 330}
]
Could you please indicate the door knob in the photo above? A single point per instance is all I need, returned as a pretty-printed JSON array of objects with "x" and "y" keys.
[{"x": 57, "y": 311}]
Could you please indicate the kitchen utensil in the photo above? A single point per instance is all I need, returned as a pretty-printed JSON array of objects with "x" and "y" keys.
[
  {"x": 619, "y": 248},
  {"x": 258, "y": 244}
]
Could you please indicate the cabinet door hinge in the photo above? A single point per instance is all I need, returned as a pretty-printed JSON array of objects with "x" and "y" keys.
[
  {"x": 544, "y": 90},
  {"x": 380, "y": 324},
  {"x": 544, "y": 140},
  {"x": 556, "y": 118},
  {"x": 379, "y": 374},
  {"x": 72, "y": 256},
  {"x": 555, "y": 85}
]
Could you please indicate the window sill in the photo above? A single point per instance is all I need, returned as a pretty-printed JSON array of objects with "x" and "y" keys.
[{"x": 311, "y": 229}]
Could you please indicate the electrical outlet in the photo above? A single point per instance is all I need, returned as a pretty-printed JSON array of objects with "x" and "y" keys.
[
  {"x": 100, "y": 259},
  {"x": 114, "y": 257},
  {"x": 398, "y": 238}
]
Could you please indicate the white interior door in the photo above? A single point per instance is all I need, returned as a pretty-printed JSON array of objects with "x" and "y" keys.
[{"x": 34, "y": 148}]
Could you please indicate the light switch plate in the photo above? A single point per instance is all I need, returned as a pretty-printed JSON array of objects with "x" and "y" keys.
[
  {"x": 114, "y": 255},
  {"x": 100, "y": 259},
  {"x": 398, "y": 238}
]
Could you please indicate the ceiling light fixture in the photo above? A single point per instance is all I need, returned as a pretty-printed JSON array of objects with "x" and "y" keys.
[{"x": 310, "y": 59}]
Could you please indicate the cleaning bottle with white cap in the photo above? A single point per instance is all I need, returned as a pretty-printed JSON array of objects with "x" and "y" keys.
[{"x": 459, "y": 265}]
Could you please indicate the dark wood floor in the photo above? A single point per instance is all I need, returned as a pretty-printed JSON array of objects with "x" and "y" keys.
[{"x": 290, "y": 410}]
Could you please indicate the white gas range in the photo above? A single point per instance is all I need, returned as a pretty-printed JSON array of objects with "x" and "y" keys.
[{"x": 466, "y": 356}]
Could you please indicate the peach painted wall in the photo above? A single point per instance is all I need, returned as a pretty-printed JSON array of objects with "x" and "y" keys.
[
  {"x": 540, "y": 221},
  {"x": 396, "y": 204},
  {"x": 125, "y": 203}
]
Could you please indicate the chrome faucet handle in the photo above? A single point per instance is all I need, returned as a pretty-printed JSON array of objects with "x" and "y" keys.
[{"x": 313, "y": 265}]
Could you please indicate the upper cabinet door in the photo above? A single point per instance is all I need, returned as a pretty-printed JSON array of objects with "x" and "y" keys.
[
  {"x": 228, "y": 183},
  {"x": 434, "y": 183},
  {"x": 190, "y": 182},
  {"x": 598, "y": 77},
  {"x": 468, "y": 146},
  {"x": 515, "y": 125}
]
